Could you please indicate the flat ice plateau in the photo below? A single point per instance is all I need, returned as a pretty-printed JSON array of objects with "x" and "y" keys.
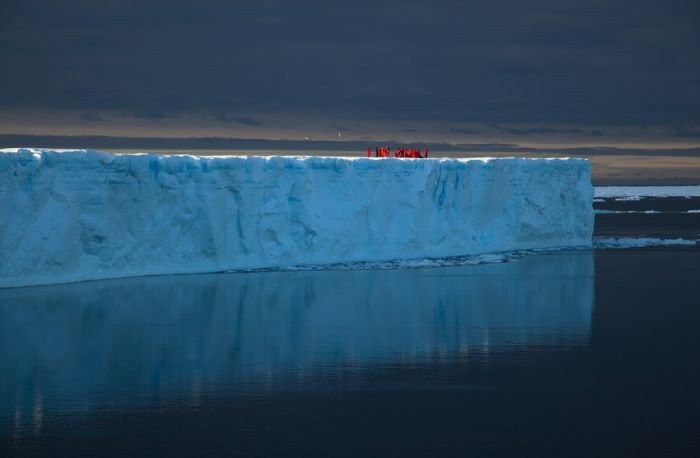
[{"x": 82, "y": 215}]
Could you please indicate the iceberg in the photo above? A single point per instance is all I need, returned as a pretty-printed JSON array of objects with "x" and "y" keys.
[{"x": 74, "y": 215}]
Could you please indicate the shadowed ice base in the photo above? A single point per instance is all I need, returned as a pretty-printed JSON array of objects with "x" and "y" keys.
[{"x": 149, "y": 341}]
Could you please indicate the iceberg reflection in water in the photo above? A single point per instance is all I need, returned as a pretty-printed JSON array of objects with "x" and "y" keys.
[{"x": 146, "y": 340}]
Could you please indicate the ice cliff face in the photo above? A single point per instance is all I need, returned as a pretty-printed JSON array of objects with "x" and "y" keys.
[{"x": 79, "y": 215}]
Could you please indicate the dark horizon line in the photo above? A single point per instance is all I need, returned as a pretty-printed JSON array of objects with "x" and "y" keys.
[{"x": 232, "y": 143}]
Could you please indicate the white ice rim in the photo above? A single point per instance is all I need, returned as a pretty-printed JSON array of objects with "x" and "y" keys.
[
  {"x": 599, "y": 243},
  {"x": 623, "y": 193},
  {"x": 648, "y": 212},
  {"x": 639, "y": 242}
]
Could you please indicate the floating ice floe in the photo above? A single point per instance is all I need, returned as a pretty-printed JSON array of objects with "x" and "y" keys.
[
  {"x": 639, "y": 242},
  {"x": 612, "y": 212},
  {"x": 609, "y": 212},
  {"x": 624, "y": 193}
]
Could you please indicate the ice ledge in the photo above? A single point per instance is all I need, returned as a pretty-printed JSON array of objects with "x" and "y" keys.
[{"x": 81, "y": 215}]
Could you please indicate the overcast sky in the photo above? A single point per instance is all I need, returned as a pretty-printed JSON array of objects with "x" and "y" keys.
[{"x": 545, "y": 68}]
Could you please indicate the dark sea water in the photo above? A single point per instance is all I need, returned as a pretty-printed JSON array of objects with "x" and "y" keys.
[{"x": 574, "y": 353}]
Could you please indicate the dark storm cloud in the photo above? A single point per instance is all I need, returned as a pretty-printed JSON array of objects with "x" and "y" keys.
[
  {"x": 458, "y": 130},
  {"x": 91, "y": 117},
  {"x": 490, "y": 61},
  {"x": 340, "y": 127},
  {"x": 245, "y": 120},
  {"x": 151, "y": 114},
  {"x": 686, "y": 132},
  {"x": 542, "y": 130}
]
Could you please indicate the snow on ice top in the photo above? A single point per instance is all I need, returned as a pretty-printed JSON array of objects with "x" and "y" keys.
[{"x": 81, "y": 215}]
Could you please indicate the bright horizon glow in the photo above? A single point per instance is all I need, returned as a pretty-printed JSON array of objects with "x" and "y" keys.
[{"x": 300, "y": 127}]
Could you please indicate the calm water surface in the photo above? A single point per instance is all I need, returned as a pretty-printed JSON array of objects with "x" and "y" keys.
[{"x": 564, "y": 354}]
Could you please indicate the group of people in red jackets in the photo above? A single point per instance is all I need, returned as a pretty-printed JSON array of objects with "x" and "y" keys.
[{"x": 385, "y": 151}]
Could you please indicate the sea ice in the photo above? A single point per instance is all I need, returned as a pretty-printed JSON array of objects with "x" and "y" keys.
[
  {"x": 624, "y": 193},
  {"x": 639, "y": 242}
]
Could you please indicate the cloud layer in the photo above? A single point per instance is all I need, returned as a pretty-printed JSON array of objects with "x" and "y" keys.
[{"x": 540, "y": 62}]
